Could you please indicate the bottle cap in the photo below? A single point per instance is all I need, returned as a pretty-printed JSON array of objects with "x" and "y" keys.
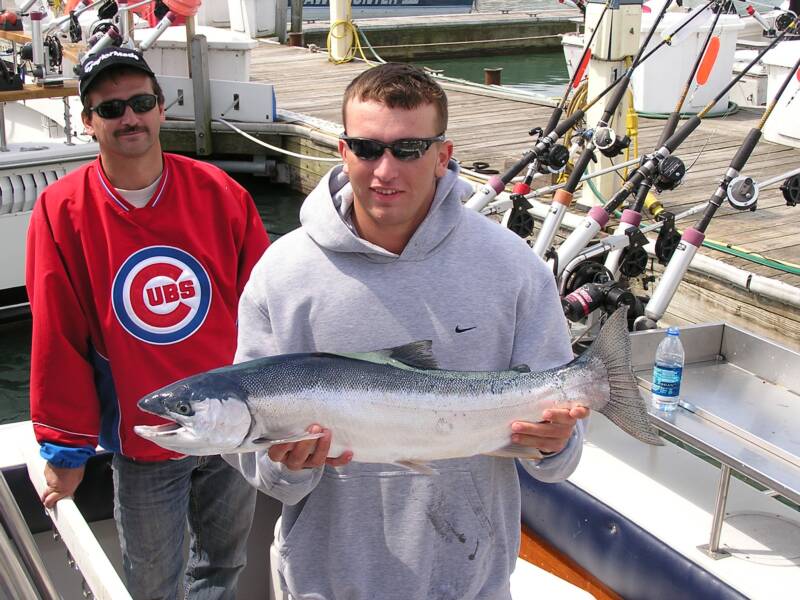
[{"x": 673, "y": 331}]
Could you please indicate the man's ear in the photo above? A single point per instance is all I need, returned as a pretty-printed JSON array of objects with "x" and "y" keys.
[
  {"x": 87, "y": 123},
  {"x": 343, "y": 149},
  {"x": 443, "y": 156}
]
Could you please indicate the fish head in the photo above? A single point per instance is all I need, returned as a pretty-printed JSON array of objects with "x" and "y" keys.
[{"x": 208, "y": 414}]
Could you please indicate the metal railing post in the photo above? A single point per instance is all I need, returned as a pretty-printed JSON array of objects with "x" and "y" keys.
[
  {"x": 67, "y": 123},
  {"x": 21, "y": 536},
  {"x": 712, "y": 548},
  {"x": 202, "y": 95},
  {"x": 3, "y": 141}
]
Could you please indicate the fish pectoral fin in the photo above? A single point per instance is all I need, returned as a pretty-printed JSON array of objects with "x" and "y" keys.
[
  {"x": 517, "y": 451},
  {"x": 263, "y": 441},
  {"x": 417, "y": 466}
]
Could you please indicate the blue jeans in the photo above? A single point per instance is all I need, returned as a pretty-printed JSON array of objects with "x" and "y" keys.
[{"x": 153, "y": 502}]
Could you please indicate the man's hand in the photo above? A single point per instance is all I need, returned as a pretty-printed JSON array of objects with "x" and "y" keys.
[
  {"x": 551, "y": 434},
  {"x": 61, "y": 483},
  {"x": 308, "y": 454}
]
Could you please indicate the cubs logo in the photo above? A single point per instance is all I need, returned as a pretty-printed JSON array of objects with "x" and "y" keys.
[{"x": 161, "y": 295}]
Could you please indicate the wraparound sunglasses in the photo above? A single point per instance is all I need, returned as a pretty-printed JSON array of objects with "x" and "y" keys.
[
  {"x": 406, "y": 149},
  {"x": 114, "y": 109}
]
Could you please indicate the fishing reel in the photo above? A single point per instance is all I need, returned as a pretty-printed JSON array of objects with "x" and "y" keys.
[
  {"x": 52, "y": 48},
  {"x": 671, "y": 172},
  {"x": 668, "y": 237},
  {"x": 589, "y": 271},
  {"x": 552, "y": 160},
  {"x": 742, "y": 193},
  {"x": 609, "y": 143},
  {"x": 633, "y": 258},
  {"x": 75, "y": 31},
  {"x": 99, "y": 28},
  {"x": 607, "y": 296},
  {"x": 517, "y": 218},
  {"x": 791, "y": 190},
  {"x": 107, "y": 9},
  {"x": 784, "y": 21}
]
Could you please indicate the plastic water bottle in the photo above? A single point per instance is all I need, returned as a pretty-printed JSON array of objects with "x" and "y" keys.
[{"x": 668, "y": 371}]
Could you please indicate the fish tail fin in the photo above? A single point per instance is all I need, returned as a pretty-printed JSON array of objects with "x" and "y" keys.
[{"x": 625, "y": 407}]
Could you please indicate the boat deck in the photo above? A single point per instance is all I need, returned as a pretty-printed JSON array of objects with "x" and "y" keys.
[{"x": 494, "y": 129}]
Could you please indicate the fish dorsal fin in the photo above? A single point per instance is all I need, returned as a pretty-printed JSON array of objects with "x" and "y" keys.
[
  {"x": 416, "y": 355},
  {"x": 521, "y": 368}
]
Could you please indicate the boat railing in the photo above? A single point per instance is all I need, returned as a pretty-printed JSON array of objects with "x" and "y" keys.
[
  {"x": 22, "y": 571},
  {"x": 99, "y": 575}
]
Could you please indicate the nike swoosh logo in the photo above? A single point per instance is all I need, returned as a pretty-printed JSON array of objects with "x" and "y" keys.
[{"x": 459, "y": 330}]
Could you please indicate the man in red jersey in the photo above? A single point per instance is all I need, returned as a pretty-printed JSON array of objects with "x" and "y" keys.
[{"x": 136, "y": 262}]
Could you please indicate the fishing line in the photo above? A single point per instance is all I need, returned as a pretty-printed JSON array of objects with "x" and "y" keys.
[
  {"x": 599, "y": 217},
  {"x": 485, "y": 194},
  {"x": 603, "y": 138},
  {"x": 693, "y": 237}
]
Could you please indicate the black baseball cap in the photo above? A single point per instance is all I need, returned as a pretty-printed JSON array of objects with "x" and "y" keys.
[{"x": 109, "y": 58}]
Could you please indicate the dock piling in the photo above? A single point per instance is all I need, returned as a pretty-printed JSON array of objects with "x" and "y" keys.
[{"x": 492, "y": 76}]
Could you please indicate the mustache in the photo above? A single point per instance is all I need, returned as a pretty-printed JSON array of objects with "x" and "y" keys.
[{"x": 132, "y": 129}]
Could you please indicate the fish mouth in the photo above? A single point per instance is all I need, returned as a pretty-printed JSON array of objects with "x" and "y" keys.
[{"x": 154, "y": 431}]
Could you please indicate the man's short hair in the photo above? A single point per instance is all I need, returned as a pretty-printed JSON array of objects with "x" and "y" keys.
[{"x": 397, "y": 85}]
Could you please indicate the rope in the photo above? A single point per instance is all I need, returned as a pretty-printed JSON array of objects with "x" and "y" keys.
[
  {"x": 349, "y": 31},
  {"x": 275, "y": 148}
]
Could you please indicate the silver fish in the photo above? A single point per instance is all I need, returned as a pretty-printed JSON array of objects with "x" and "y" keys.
[{"x": 392, "y": 406}]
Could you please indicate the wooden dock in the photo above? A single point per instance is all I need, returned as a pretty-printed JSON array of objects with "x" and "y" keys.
[
  {"x": 495, "y": 130},
  {"x": 473, "y": 34}
]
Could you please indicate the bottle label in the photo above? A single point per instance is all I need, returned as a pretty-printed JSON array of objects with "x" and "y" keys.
[{"x": 667, "y": 381}]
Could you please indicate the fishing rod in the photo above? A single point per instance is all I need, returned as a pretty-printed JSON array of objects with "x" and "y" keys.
[
  {"x": 693, "y": 237},
  {"x": 559, "y": 155},
  {"x": 502, "y": 205},
  {"x": 671, "y": 170},
  {"x": 579, "y": 299},
  {"x": 495, "y": 185},
  {"x": 603, "y": 138},
  {"x": 598, "y": 216}
]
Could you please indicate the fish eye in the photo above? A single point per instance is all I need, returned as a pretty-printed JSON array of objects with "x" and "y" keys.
[{"x": 184, "y": 408}]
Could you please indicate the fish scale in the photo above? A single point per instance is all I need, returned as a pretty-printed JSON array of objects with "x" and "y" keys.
[{"x": 389, "y": 405}]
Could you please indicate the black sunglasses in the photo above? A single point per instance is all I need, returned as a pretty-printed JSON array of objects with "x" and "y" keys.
[
  {"x": 114, "y": 109},
  {"x": 407, "y": 149}
]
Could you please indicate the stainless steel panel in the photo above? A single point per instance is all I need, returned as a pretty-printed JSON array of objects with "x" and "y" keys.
[
  {"x": 700, "y": 342},
  {"x": 743, "y": 402},
  {"x": 762, "y": 357}
]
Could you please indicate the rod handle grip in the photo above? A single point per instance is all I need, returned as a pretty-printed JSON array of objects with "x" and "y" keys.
[
  {"x": 743, "y": 154},
  {"x": 578, "y": 170},
  {"x": 551, "y": 124},
  {"x": 677, "y": 138},
  {"x": 669, "y": 127}
]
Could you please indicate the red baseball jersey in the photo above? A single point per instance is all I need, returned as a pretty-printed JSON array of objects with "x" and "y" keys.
[{"x": 126, "y": 300}]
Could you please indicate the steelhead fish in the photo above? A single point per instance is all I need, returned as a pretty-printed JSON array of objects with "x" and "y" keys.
[{"x": 392, "y": 406}]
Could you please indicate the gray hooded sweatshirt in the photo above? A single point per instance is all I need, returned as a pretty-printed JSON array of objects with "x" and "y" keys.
[{"x": 378, "y": 531}]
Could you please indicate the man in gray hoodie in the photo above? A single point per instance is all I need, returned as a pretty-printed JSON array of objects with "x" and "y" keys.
[{"x": 386, "y": 255}]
